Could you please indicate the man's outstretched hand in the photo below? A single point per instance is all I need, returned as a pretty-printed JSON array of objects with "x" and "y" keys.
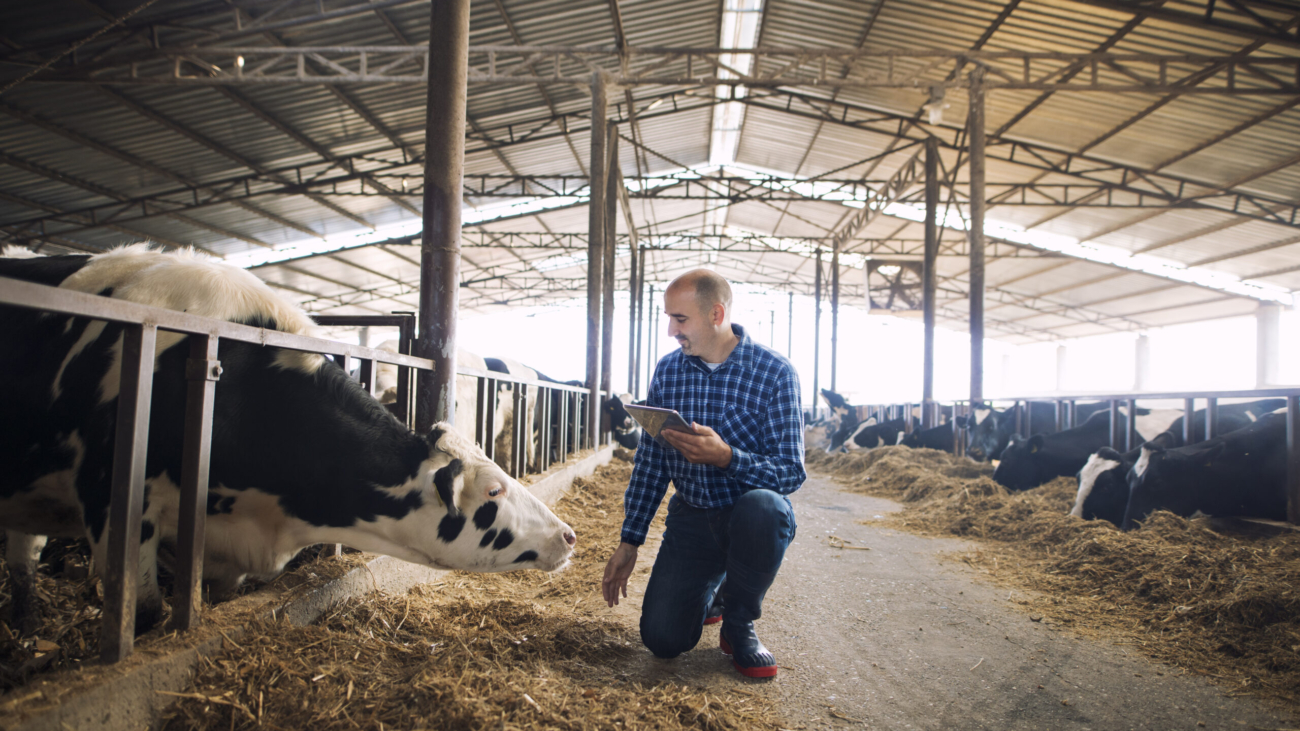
[
  {"x": 617, "y": 572},
  {"x": 702, "y": 447}
]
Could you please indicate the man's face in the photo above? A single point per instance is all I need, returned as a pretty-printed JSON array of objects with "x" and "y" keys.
[{"x": 692, "y": 328}]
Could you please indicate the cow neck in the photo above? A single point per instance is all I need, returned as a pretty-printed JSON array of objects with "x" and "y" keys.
[{"x": 319, "y": 442}]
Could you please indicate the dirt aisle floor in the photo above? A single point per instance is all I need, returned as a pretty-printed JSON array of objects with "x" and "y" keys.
[{"x": 896, "y": 638}]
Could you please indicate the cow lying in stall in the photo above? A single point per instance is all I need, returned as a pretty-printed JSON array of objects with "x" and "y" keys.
[
  {"x": 1028, "y": 463},
  {"x": 300, "y": 453},
  {"x": 1241, "y": 473},
  {"x": 1103, "y": 481}
]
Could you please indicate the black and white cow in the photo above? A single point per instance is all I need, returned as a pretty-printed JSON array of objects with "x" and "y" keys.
[
  {"x": 869, "y": 434},
  {"x": 991, "y": 430},
  {"x": 300, "y": 453},
  {"x": 506, "y": 409},
  {"x": 1103, "y": 480},
  {"x": 626, "y": 431},
  {"x": 1241, "y": 473},
  {"x": 1028, "y": 463}
]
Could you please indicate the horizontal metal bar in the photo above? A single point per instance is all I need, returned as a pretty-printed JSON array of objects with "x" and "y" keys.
[
  {"x": 29, "y": 295},
  {"x": 1156, "y": 395}
]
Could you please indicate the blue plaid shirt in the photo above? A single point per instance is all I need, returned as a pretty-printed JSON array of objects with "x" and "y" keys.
[{"x": 752, "y": 401}]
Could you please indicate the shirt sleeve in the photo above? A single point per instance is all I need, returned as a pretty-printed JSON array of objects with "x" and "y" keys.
[
  {"x": 780, "y": 468},
  {"x": 649, "y": 480}
]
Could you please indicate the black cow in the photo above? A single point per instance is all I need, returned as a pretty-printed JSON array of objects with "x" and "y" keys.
[
  {"x": 1241, "y": 473},
  {"x": 1103, "y": 480},
  {"x": 1028, "y": 463},
  {"x": 939, "y": 437},
  {"x": 300, "y": 453},
  {"x": 991, "y": 430}
]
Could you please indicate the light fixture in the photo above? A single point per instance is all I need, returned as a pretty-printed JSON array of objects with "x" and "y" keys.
[
  {"x": 239, "y": 61},
  {"x": 889, "y": 270},
  {"x": 935, "y": 105}
]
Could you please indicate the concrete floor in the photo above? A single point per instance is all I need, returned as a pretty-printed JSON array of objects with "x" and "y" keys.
[{"x": 894, "y": 637}]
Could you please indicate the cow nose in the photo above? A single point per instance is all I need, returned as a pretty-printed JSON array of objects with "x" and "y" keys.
[{"x": 570, "y": 538}]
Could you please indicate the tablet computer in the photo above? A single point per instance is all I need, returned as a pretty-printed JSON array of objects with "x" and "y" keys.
[{"x": 655, "y": 420}]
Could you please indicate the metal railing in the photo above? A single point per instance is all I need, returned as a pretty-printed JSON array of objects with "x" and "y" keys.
[
  {"x": 1123, "y": 433},
  {"x": 203, "y": 371}
]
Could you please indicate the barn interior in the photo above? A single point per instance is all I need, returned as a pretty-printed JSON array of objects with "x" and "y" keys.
[{"x": 1029, "y": 171}]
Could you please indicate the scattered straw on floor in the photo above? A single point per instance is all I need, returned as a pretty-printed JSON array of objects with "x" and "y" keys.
[
  {"x": 1223, "y": 605},
  {"x": 519, "y": 650}
]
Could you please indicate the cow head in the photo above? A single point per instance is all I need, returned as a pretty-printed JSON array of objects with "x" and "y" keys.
[
  {"x": 626, "y": 431},
  {"x": 989, "y": 433},
  {"x": 1103, "y": 487},
  {"x": 1159, "y": 479},
  {"x": 471, "y": 516},
  {"x": 1020, "y": 465}
]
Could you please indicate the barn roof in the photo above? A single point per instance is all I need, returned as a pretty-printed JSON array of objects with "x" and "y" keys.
[{"x": 1143, "y": 160}]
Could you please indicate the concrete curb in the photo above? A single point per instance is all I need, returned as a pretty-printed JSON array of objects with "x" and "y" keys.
[{"x": 132, "y": 694}]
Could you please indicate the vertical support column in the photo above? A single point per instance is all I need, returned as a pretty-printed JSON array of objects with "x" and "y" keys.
[
  {"x": 1060, "y": 415},
  {"x": 1211, "y": 418},
  {"x": 633, "y": 284},
  {"x": 1268, "y": 353},
  {"x": 595, "y": 252},
  {"x": 1142, "y": 364},
  {"x": 835, "y": 312},
  {"x": 130, "y": 449},
  {"x": 652, "y": 315},
  {"x": 789, "y": 333},
  {"x": 1293, "y": 459},
  {"x": 1071, "y": 414},
  {"x": 977, "y": 201},
  {"x": 1020, "y": 418},
  {"x": 1029, "y": 419},
  {"x": 1189, "y": 408},
  {"x": 1130, "y": 431},
  {"x": 1114, "y": 424},
  {"x": 444, "y": 167},
  {"x": 638, "y": 328},
  {"x": 608, "y": 269},
  {"x": 929, "y": 276},
  {"x": 817, "y": 334},
  {"x": 201, "y": 371},
  {"x": 1062, "y": 356}
]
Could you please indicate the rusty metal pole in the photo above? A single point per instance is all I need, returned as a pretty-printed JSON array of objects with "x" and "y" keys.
[
  {"x": 639, "y": 327},
  {"x": 976, "y": 233},
  {"x": 789, "y": 333},
  {"x": 633, "y": 316},
  {"x": 595, "y": 252},
  {"x": 930, "y": 281},
  {"x": 444, "y": 167},
  {"x": 817, "y": 333},
  {"x": 608, "y": 272},
  {"x": 835, "y": 311}
]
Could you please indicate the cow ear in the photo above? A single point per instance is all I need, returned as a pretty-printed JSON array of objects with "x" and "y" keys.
[
  {"x": 960, "y": 421},
  {"x": 447, "y": 482},
  {"x": 1035, "y": 443},
  {"x": 1109, "y": 454}
]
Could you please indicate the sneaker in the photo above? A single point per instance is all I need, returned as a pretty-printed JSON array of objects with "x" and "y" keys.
[{"x": 748, "y": 655}]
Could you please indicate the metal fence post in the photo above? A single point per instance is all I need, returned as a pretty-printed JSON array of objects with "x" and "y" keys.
[
  {"x": 202, "y": 371},
  {"x": 130, "y": 448}
]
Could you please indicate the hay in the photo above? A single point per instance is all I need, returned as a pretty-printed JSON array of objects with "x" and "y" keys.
[
  {"x": 1222, "y": 605},
  {"x": 70, "y": 606},
  {"x": 519, "y": 650}
]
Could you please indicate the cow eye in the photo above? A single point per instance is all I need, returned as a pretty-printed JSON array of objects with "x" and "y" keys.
[{"x": 496, "y": 491}]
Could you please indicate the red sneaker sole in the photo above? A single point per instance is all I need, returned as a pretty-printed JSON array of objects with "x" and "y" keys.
[
  {"x": 767, "y": 672},
  {"x": 712, "y": 620}
]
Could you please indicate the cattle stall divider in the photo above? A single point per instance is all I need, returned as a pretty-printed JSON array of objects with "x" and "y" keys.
[
  {"x": 203, "y": 375},
  {"x": 1123, "y": 433}
]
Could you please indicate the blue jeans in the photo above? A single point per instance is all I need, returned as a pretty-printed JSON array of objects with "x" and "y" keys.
[{"x": 743, "y": 543}]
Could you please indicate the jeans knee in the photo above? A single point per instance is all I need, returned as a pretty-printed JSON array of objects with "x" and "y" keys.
[
  {"x": 764, "y": 510},
  {"x": 664, "y": 644}
]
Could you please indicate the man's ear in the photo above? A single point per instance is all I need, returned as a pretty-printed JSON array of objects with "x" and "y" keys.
[{"x": 718, "y": 314}]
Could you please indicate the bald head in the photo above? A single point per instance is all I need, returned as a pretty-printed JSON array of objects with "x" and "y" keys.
[{"x": 709, "y": 287}]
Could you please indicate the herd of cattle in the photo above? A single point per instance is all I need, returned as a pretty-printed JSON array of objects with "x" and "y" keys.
[{"x": 1241, "y": 472}]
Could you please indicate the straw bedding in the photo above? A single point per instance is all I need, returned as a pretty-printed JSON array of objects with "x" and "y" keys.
[
  {"x": 1223, "y": 605},
  {"x": 520, "y": 650}
]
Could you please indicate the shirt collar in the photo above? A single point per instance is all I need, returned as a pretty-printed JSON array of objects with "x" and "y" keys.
[{"x": 740, "y": 355}]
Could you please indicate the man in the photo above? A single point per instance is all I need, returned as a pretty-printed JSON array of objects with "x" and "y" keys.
[{"x": 729, "y": 517}]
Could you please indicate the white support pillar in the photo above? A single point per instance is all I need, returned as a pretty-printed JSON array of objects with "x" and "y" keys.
[
  {"x": 1268, "y": 345},
  {"x": 1062, "y": 356},
  {"x": 364, "y": 338},
  {"x": 1142, "y": 364}
]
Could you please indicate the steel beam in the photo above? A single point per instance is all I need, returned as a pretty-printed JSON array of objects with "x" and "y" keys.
[
  {"x": 976, "y": 234},
  {"x": 929, "y": 277},
  {"x": 595, "y": 251}
]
